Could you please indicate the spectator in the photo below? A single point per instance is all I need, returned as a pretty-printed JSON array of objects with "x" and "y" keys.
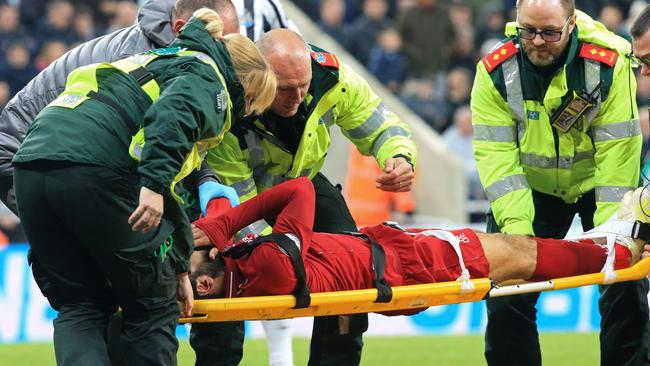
[
  {"x": 364, "y": 31},
  {"x": 10, "y": 29},
  {"x": 84, "y": 25},
  {"x": 19, "y": 70},
  {"x": 427, "y": 33},
  {"x": 464, "y": 51},
  {"x": 387, "y": 61},
  {"x": 331, "y": 20},
  {"x": 612, "y": 18},
  {"x": 49, "y": 53},
  {"x": 5, "y": 93},
  {"x": 419, "y": 95},
  {"x": 491, "y": 24},
  {"x": 126, "y": 13},
  {"x": 459, "y": 87},
  {"x": 460, "y": 14},
  {"x": 459, "y": 141},
  {"x": 57, "y": 25}
]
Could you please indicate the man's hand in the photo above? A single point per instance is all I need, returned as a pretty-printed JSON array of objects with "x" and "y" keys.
[
  {"x": 200, "y": 238},
  {"x": 646, "y": 251},
  {"x": 397, "y": 176},
  {"x": 211, "y": 189},
  {"x": 149, "y": 211},
  {"x": 184, "y": 293}
]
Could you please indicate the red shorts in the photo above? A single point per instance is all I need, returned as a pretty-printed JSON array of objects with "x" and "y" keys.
[{"x": 427, "y": 259}]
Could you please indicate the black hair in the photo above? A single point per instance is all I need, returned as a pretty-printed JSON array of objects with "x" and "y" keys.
[
  {"x": 212, "y": 268},
  {"x": 641, "y": 23}
]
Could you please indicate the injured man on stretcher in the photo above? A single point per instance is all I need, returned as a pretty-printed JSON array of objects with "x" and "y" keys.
[{"x": 295, "y": 259}]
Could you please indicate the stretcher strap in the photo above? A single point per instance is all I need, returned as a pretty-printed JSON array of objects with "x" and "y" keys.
[
  {"x": 464, "y": 278},
  {"x": 378, "y": 257},
  {"x": 301, "y": 292},
  {"x": 610, "y": 231}
]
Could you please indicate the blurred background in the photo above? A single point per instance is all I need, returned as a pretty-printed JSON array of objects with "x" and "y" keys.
[{"x": 419, "y": 55}]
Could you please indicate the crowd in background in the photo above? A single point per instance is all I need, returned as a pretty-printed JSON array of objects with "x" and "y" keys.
[{"x": 424, "y": 51}]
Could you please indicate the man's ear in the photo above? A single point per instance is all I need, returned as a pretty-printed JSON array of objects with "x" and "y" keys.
[
  {"x": 178, "y": 24},
  {"x": 202, "y": 287}
]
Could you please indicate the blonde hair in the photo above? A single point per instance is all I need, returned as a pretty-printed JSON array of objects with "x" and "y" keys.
[{"x": 254, "y": 73}]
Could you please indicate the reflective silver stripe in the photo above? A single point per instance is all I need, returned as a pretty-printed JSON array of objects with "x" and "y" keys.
[
  {"x": 495, "y": 133},
  {"x": 255, "y": 152},
  {"x": 538, "y": 161},
  {"x": 266, "y": 179},
  {"x": 386, "y": 134},
  {"x": 136, "y": 150},
  {"x": 615, "y": 131},
  {"x": 592, "y": 79},
  {"x": 244, "y": 187},
  {"x": 545, "y": 162},
  {"x": 611, "y": 193},
  {"x": 506, "y": 185},
  {"x": 583, "y": 155},
  {"x": 514, "y": 94},
  {"x": 370, "y": 125},
  {"x": 255, "y": 228},
  {"x": 327, "y": 118}
]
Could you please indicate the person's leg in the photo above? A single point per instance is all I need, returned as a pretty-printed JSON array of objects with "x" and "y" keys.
[
  {"x": 97, "y": 202},
  {"x": 511, "y": 336},
  {"x": 624, "y": 323},
  {"x": 278, "y": 339},
  {"x": 625, "y": 329},
  {"x": 332, "y": 344},
  {"x": 66, "y": 274},
  {"x": 536, "y": 259},
  {"x": 217, "y": 344}
]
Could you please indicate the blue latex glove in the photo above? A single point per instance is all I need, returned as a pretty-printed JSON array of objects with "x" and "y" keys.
[{"x": 211, "y": 189}]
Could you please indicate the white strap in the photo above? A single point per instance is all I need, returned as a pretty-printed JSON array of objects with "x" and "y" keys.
[
  {"x": 611, "y": 227},
  {"x": 465, "y": 284},
  {"x": 610, "y": 230}
]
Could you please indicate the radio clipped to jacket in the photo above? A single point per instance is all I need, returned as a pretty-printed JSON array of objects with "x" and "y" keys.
[{"x": 573, "y": 108}]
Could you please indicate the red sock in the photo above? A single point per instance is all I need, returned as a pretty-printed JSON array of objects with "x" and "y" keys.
[{"x": 561, "y": 258}]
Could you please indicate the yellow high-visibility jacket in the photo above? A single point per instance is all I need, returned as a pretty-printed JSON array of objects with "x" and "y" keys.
[{"x": 516, "y": 147}]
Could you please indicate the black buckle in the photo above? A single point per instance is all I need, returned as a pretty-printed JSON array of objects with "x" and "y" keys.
[
  {"x": 641, "y": 230},
  {"x": 141, "y": 75}
]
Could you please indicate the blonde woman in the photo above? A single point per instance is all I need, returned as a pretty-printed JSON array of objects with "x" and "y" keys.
[{"x": 95, "y": 182}]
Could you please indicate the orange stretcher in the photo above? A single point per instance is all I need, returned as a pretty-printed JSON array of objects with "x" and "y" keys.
[{"x": 404, "y": 297}]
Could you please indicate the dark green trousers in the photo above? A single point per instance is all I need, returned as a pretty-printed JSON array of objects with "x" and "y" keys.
[
  {"x": 511, "y": 336},
  {"x": 221, "y": 343},
  {"x": 87, "y": 261}
]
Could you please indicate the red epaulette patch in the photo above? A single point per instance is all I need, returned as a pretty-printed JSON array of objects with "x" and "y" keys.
[
  {"x": 593, "y": 52},
  {"x": 325, "y": 59},
  {"x": 498, "y": 56}
]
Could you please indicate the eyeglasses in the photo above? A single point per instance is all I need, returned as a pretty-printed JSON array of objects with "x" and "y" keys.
[
  {"x": 638, "y": 61},
  {"x": 547, "y": 35}
]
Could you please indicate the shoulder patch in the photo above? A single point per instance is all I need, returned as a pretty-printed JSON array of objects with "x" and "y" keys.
[
  {"x": 600, "y": 54},
  {"x": 167, "y": 51},
  {"x": 501, "y": 54},
  {"x": 325, "y": 59},
  {"x": 222, "y": 101}
]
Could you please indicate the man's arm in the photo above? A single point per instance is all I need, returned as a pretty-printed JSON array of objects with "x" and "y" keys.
[
  {"x": 617, "y": 142},
  {"x": 290, "y": 203},
  {"x": 497, "y": 157},
  {"x": 375, "y": 130}
]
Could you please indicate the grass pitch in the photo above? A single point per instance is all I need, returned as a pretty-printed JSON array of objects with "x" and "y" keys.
[{"x": 570, "y": 349}]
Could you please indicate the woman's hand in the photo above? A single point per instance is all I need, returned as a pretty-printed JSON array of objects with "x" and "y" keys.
[
  {"x": 184, "y": 293},
  {"x": 149, "y": 211}
]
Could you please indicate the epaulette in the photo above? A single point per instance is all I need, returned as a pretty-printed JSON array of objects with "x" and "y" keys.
[
  {"x": 600, "y": 54},
  {"x": 501, "y": 54},
  {"x": 325, "y": 59}
]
